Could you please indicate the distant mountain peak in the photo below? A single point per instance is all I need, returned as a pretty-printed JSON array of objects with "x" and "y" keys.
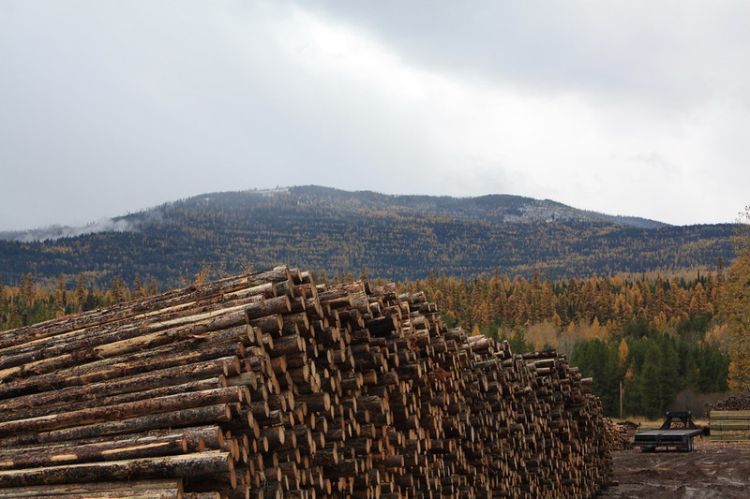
[
  {"x": 498, "y": 207},
  {"x": 493, "y": 208},
  {"x": 392, "y": 235}
]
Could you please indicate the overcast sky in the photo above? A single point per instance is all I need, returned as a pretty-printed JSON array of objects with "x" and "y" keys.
[{"x": 633, "y": 107}]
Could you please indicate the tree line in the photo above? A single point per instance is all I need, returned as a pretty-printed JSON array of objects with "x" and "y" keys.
[
  {"x": 653, "y": 334},
  {"x": 31, "y": 302}
]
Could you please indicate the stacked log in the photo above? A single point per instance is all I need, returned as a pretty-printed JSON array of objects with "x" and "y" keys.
[
  {"x": 268, "y": 385},
  {"x": 736, "y": 402},
  {"x": 620, "y": 434},
  {"x": 729, "y": 419}
]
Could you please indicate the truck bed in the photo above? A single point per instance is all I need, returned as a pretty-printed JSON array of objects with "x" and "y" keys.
[{"x": 681, "y": 438}]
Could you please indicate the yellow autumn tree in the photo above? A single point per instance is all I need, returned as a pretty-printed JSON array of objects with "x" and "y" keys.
[
  {"x": 735, "y": 310},
  {"x": 622, "y": 352},
  {"x": 597, "y": 331}
]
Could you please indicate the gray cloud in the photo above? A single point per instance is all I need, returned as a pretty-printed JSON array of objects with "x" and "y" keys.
[
  {"x": 108, "y": 107},
  {"x": 671, "y": 53}
]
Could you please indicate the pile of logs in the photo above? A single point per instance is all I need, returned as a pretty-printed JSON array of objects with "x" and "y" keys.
[
  {"x": 736, "y": 402},
  {"x": 268, "y": 385},
  {"x": 620, "y": 434}
]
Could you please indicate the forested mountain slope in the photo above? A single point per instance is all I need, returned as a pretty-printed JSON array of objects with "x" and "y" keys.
[{"x": 394, "y": 237}]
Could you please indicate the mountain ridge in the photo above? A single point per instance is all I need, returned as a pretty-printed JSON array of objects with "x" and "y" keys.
[
  {"x": 535, "y": 210},
  {"x": 392, "y": 236}
]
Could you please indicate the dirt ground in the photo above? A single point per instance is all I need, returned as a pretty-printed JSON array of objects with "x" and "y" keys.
[{"x": 713, "y": 470}]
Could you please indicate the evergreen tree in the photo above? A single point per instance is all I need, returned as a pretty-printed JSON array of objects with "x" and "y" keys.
[
  {"x": 650, "y": 383},
  {"x": 80, "y": 292}
]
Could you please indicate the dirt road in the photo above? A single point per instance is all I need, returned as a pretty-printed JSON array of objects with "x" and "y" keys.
[{"x": 712, "y": 470}]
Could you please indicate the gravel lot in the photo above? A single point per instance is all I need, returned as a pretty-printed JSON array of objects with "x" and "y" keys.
[{"x": 712, "y": 470}]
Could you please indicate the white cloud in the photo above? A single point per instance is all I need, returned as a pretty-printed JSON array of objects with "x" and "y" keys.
[
  {"x": 111, "y": 107},
  {"x": 55, "y": 232}
]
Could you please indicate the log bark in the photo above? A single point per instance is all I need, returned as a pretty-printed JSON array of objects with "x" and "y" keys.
[
  {"x": 104, "y": 451},
  {"x": 127, "y": 384},
  {"x": 120, "y": 343},
  {"x": 197, "y": 464},
  {"x": 116, "y": 368},
  {"x": 126, "y": 410},
  {"x": 190, "y": 386},
  {"x": 198, "y": 438},
  {"x": 117, "y": 489},
  {"x": 217, "y": 413}
]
